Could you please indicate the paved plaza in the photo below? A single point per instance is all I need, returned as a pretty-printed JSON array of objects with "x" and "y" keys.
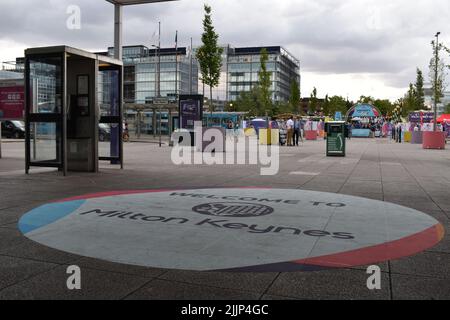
[{"x": 401, "y": 174}]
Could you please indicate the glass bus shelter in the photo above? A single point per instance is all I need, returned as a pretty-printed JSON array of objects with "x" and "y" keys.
[{"x": 73, "y": 109}]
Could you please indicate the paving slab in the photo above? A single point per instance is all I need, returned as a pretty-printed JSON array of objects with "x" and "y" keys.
[
  {"x": 31, "y": 250},
  {"x": 10, "y": 238},
  {"x": 163, "y": 290},
  {"x": 101, "y": 265},
  {"x": 336, "y": 284},
  {"x": 429, "y": 264},
  {"x": 405, "y": 287},
  {"x": 95, "y": 285},
  {"x": 15, "y": 270},
  {"x": 252, "y": 282}
]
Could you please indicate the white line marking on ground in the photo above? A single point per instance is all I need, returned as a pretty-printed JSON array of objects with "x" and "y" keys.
[{"x": 301, "y": 173}]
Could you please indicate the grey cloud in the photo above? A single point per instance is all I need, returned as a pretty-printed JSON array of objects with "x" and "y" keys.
[{"x": 383, "y": 37}]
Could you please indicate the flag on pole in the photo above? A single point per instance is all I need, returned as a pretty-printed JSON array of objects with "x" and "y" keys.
[
  {"x": 176, "y": 39},
  {"x": 154, "y": 36}
]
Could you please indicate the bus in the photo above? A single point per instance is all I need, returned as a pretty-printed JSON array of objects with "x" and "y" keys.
[{"x": 226, "y": 120}]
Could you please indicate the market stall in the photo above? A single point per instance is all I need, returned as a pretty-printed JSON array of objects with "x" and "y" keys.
[{"x": 364, "y": 121}]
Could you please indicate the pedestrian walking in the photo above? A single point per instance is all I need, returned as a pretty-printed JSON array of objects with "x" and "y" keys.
[
  {"x": 290, "y": 132},
  {"x": 393, "y": 132},
  {"x": 399, "y": 132},
  {"x": 297, "y": 131}
]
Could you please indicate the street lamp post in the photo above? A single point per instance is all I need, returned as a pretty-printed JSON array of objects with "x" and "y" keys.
[
  {"x": 436, "y": 79},
  {"x": 158, "y": 91},
  {"x": 158, "y": 70}
]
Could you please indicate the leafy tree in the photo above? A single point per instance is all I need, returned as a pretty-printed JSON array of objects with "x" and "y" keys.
[
  {"x": 447, "y": 109},
  {"x": 437, "y": 79},
  {"x": 337, "y": 104},
  {"x": 295, "y": 96},
  {"x": 410, "y": 102},
  {"x": 326, "y": 106},
  {"x": 282, "y": 108},
  {"x": 366, "y": 99},
  {"x": 437, "y": 75},
  {"x": 313, "y": 102},
  {"x": 385, "y": 106},
  {"x": 209, "y": 55},
  {"x": 420, "y": 94},
  {"x": 264, "y": 84},
  {"x": 249, "y": 102},
  {"x": 349, "y": 104}
]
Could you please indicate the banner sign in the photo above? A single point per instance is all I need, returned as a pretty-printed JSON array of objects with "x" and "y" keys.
[
  {"x": 421, "y": 117},
  {"x": 364, "y": 111},
  {"x": 12, "y": 100},
  {"x": 190, "y": 110}
]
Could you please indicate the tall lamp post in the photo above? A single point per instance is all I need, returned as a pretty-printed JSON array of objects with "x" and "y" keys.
[
  {"x": 158, "y": 81},
  {"x": 436, "y": 79},
  {"x": 158, "y": 70}
]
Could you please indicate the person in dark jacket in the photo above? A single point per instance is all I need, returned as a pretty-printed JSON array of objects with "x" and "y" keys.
[
  {"x": 399, "y": 133},
  {"x": 393, "y": 131}
]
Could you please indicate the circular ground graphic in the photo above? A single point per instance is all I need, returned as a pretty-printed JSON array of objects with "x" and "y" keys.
[{"x": 242, "y": 230}]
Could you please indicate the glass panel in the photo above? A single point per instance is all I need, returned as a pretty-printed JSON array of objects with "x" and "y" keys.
[
  {"x": 108, "y": 95},
  {"x": 44, "y": 142},
  {"x": 46, "y": 85},
  {"x": 107, "y": 133},
  {"x": 104, "y": 139}
]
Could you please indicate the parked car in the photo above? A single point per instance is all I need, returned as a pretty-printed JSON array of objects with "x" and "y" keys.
[
  {"x": 104, "y": 132},
  {"x": 13, "y": 129}
]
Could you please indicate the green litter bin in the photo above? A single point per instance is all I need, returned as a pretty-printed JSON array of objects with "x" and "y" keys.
[{"x": 336, "y": 139}]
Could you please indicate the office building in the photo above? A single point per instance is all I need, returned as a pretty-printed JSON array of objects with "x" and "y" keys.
[
  {"x": 429, "y": 99},
  {"x": 141, "y": 73},
  {"x": 12, "y": 69},
  {"x": 240, "y": 73}
]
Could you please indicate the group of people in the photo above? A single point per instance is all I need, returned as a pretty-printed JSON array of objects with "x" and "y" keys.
[
  {"x": 397, "y": 132},
  {"x": 294, "y": 131}
]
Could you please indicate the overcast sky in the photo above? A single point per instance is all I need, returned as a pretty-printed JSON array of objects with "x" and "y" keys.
[{"x": 346, "y": 47}]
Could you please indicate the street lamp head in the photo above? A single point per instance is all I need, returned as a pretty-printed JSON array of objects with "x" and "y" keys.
[{"x": 437, "y": 34}]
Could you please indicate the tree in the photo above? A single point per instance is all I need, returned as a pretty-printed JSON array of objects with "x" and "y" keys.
[
  {"x": 249, "y": 102},
  {"x": 349, "y": 104},
  {"x": 264, "y": 83},
  {"x": 282, "y": 108},
  {"x": 337, "y": 104},
  {"x": 294, "y": 99},
  {"x": 410, "y": 100},
  {"x": 209, "y": 55},
  {"x": 326, "y": 106},
  {"x": 447, "y": 109},
  {"x": 420, "y": 94},
  {"x": 385, "y": 106},
  {"x": 437, "y": 77},
  {"x": 313, "y": 102},
  {"x": 365, "y": 99}
]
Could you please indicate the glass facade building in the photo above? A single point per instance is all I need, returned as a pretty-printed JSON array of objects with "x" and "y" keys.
[
  {"x": 141, "y": 73},
  {"x": 240, "y": 69},
  {"x": 13, "y": 69},
  {"x": 429, "y": 99}
]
